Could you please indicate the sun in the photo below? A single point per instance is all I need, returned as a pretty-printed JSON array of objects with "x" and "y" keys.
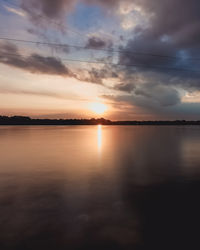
[{"x": 98, "y": 108}]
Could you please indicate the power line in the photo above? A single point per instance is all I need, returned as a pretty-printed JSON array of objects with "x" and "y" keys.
[
  {"x": 133, "y": 65},
  {"x": 89, "y": 48},
  {"x": 116, "y": 64}
]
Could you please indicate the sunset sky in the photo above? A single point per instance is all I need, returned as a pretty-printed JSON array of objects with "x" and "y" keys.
[{"x": 130, "y": 59}]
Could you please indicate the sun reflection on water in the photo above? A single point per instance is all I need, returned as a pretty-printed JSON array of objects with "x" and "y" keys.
[{"x": 99, "y": 138}]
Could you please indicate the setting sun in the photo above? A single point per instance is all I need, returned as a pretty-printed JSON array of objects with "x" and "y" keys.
[{"x": 98, "y": 108}]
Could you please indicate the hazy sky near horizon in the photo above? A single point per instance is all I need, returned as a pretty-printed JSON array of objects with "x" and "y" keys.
[{"x": 159, "y": 40}]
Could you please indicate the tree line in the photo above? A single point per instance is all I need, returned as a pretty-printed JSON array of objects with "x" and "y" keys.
[{"x": 24, "y": 120}]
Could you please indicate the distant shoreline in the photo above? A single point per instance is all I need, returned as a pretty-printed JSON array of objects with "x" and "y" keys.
[{"x": 24, "y": 120}]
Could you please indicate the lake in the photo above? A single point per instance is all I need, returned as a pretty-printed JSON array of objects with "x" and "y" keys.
[{"x": 99, "y": 187}]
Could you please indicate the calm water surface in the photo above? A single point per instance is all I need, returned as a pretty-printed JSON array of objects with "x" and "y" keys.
[{"x": 99, "y": 187}]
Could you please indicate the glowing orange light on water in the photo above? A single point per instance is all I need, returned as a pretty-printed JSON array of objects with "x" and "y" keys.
[{"x": 99, "y": 137}]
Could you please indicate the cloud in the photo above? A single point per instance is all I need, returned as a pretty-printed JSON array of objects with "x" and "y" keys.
[
  {"x": 54, "y": 12},
  {"x": 150, "y": 110},
  {"x": 15, "y": 11},
  {"x": 162, "y": 15},
  {"x": 158, "y": 50},
  {"x": 157, "y": 28},
  {"x": 32, "y": 92},
  {"x": 92, "y": 76},
  {"x": 159, "y": 94},
  {"x": 144, "y": 50},
  {"x": 106, "y": 3},
  {"x": 8, "y": 89},
  {"x": 35, "y": 63},
  {"x": 127, "y": 87},
  {"x": 168, "y": 33},
  {"x": 98, "y": 43},
  {"x": 150, "y": 96},
  {"x": 49, "y": 9},
  {"x": 166, "y": 21},
  {"x": 95, "y": 75}
]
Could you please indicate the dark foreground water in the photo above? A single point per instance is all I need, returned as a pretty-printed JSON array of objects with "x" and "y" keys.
[{"x": 99, "y": 188}]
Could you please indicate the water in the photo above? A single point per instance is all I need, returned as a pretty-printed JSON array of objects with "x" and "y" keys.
[{"x": 99, "y": 187}]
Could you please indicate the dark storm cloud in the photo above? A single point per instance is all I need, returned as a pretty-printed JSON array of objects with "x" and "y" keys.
[
  {"x": 150, "y": 96},
  {"x": 34, "y": 63},
  {"x": 127, "y": 87},
  {"x": 169, "y": 33},
  {"x": 162, "y": 53},
  {"x": 177, "y": 18},
  {"x": 144, "y": 50},
  {"x": 162, "y": 95},
  {"x": 152, "y": 110},
  {"x": 98, "y": 43}
]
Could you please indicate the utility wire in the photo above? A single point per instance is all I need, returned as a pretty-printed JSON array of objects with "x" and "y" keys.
[
  {"x": 89, "y": 48},
  {"x": 98, "y": 49},
  {"x": 111, "y": 64}
]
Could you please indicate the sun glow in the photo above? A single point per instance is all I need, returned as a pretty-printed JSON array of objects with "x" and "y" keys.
[{"x": 98, "y": 108}]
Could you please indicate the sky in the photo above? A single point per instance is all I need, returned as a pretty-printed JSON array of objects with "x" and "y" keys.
[{"x": 139, "y": 58}]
